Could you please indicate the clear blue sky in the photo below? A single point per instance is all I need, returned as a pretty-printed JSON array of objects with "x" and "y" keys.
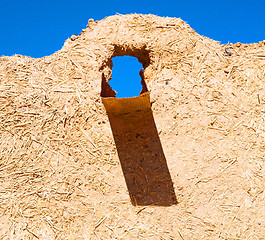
[{"x": 38, "y": 28}]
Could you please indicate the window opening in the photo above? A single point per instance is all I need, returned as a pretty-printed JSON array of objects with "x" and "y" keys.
[
  {"x": 125, "y": 76},
  {"x": 138, "y": 146}
]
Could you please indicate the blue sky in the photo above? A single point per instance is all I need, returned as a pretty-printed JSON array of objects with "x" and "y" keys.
[{"x": 39, "y": 28}]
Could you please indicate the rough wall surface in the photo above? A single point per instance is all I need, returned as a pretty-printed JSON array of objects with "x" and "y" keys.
[{"x": 60, "y": 175}]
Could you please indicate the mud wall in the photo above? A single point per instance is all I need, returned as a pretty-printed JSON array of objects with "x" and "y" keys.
[{"x": 60, "y": 172}]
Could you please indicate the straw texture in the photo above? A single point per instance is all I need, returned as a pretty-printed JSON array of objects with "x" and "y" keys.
[{"x": 60, "y": 175}]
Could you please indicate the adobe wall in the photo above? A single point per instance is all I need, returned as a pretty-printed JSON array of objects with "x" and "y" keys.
[{"x": 60, "y": 175}]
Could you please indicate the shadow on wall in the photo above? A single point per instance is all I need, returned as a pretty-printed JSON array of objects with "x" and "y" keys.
[{"x": 139, "y": 148}]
